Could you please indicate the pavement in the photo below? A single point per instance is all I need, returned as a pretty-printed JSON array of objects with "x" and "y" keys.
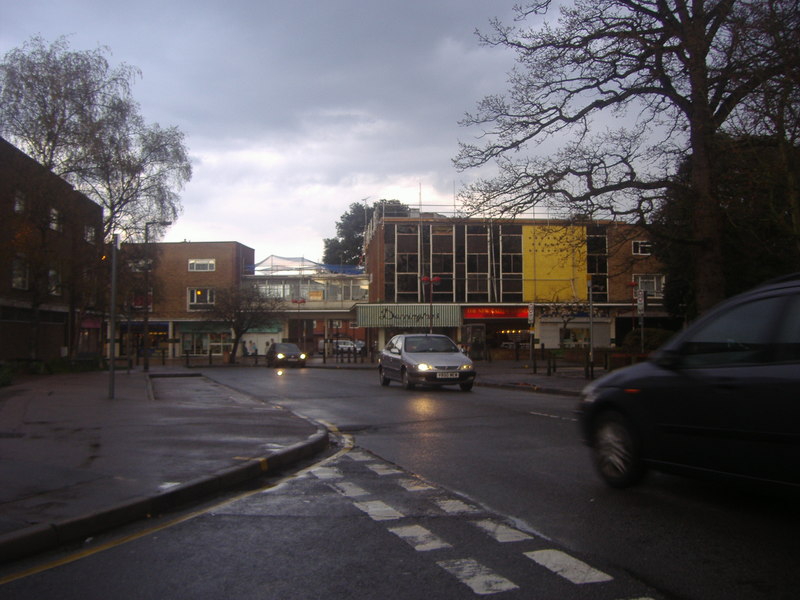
[{"x": 74, "y": 463}]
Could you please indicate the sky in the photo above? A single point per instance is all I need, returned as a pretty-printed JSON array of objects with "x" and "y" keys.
[{"x": 294, "y": 110}]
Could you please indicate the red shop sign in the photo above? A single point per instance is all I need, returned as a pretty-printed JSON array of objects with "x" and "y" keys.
[{"x": 495, "y": 312}]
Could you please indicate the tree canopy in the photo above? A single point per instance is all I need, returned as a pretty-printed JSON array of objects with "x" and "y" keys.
[
  {"x": 73, "y": 113},
  {"x": 347, "y": 247},
  {"x": 620, "y": 93}
]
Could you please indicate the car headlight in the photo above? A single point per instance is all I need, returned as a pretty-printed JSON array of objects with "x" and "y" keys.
[
  {"x": 280, "y": 355},
  {"x": 302, "y": 357},
  {"x": 424, "y": 367},
  {"x": 465, "y": 367}
]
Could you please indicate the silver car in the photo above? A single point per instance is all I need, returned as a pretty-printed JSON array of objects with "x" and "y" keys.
[{"x": 427, "y": 359}]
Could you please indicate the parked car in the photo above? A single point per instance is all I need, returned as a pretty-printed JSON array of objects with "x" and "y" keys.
[
  {"x": 720, "y": 398},
  {"x": 283, "y": 353},
  {"x": 425, "y": 359},
  {"x": 344, "y": 346}
]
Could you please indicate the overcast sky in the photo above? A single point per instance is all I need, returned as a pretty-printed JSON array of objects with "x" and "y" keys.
[{"x": 295, "y": 109}]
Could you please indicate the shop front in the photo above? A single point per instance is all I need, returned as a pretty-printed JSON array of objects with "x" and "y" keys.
[
  {"x": 488, "y": 329},
  {"x": 195, "y": 338},
  {"x": 387, "y": 320}
]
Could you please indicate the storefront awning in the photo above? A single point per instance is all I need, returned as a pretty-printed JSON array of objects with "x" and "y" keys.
[{"x": 408, "y": 315}]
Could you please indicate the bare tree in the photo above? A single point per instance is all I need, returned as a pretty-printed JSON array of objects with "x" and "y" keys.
[
  {"x": 74, "y": 114},
  {"x": 243, "y": 309},
  {"x": 629, "y": 88}
]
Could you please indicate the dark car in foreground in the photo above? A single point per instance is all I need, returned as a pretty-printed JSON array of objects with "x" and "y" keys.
[
  {"x": 428, "y": 359},
  {"x": 283, "y": 354},
  {"x": 720, "y": 398}
]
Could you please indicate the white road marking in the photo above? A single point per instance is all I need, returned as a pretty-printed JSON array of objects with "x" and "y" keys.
[
  {"x": 478, "y": 578},
  {"x": 382, "y": 469},
  {"x": 359, "y": 456},
  {"x": 414, "y": 485},
  {"x": 327, "y": 473},
  {"x": 549, "y": 416},
  {"x": 351, "y": 490},
  {"x": 454, "y": 507},
  {"x": 566, "y": 566},
  {"x": 419, "y": 538},
  {"x": 502, "y": 533},
  {"x": 379, "y": 511}
]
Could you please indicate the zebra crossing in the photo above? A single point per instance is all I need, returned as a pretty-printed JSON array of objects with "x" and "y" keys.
[{"x": 423, "y": 516}]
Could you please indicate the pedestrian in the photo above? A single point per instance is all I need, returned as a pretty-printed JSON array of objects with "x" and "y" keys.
[{"x": 253, "y": 349}]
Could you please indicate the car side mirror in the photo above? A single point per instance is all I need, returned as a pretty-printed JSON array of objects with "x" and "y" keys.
[
  {"x": 671, "y": 360},
  {"x": 394, "y": 350}
]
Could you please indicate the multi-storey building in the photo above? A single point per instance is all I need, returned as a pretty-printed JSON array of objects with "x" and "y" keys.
[
  {"x": 320, "y": 299},
  {"x": 186, "y": 277},
  {"x": 183, "y": 282},
  {"x": 51, "y": 273},
  {"x": 491, "y": 283}
]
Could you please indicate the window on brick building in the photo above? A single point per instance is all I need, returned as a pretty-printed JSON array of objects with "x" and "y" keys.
[
  {"x": 642, "y": 248},
  {"x": 200, "y": 298},
  {"x": 202, "y": 264},
  {"x": 19, "y": 273}
]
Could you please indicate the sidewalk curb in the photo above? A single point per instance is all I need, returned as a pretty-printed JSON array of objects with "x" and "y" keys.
[{"x": 39, "y": 538}]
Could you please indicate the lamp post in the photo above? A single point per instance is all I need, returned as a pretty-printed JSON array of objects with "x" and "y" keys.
[
  {"x": 113, "y": 318},
  {"x": 430, "y": 282},
  {"x": 146, "y": 318},
  {"x": 300, "y": 332}
]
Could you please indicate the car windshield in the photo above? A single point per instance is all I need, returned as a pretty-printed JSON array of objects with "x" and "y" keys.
[
  {"x": 286, "y": 348},
  {"x": 430, "y": 344}
]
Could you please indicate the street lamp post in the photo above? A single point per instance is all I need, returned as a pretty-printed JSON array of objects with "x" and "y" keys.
[
  {"x": 146, "y": 318},
  {"x": 300, "y": 331},
  {"x": 113, "y": 318},
  {"x": 430, "y": 282}
]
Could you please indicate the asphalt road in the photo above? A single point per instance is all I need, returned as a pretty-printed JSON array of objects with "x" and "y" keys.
[{"x": 512, "y": 459}]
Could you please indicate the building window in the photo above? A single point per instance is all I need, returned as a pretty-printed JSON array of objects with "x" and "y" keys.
[
  {"x": 55, "y": 219},
  {"x": 652, "y": 284},
  {"x": 19, "y": 202},
  {"x": 201, "y": 298},
  {"x": 202, "y": 264},
  {"x": 642, "y": 248},
  {"x": 54, "y": 282},
  {"x": 89, "y": 234},
  {"x": 19, "y": 273}
]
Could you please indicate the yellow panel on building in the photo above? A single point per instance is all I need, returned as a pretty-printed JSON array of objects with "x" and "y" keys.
[{"x": 554, "y": 263}]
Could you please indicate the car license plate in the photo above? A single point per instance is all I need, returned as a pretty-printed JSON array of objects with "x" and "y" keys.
[{"x": 447, "y": 375}]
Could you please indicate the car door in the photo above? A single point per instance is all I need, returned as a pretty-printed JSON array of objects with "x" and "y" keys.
[
  {"x": 390, "y": 358},
  {"x": 770, "y": 411},
  {"x": 703, "y": 408}
]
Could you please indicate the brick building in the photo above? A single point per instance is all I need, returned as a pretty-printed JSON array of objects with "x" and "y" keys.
[
  {"x": 52, "y": 278},
  {"x": 490, "y": 282},
  {"x": 183, "y": 281}
]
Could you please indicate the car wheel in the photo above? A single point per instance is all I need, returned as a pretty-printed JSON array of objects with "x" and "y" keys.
[
  {"x": 466, "y": 386},
  {"x": 406, "y": 383},
  {"x": 384, "y": 380},
  {"x": 616, "y": 450}
]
